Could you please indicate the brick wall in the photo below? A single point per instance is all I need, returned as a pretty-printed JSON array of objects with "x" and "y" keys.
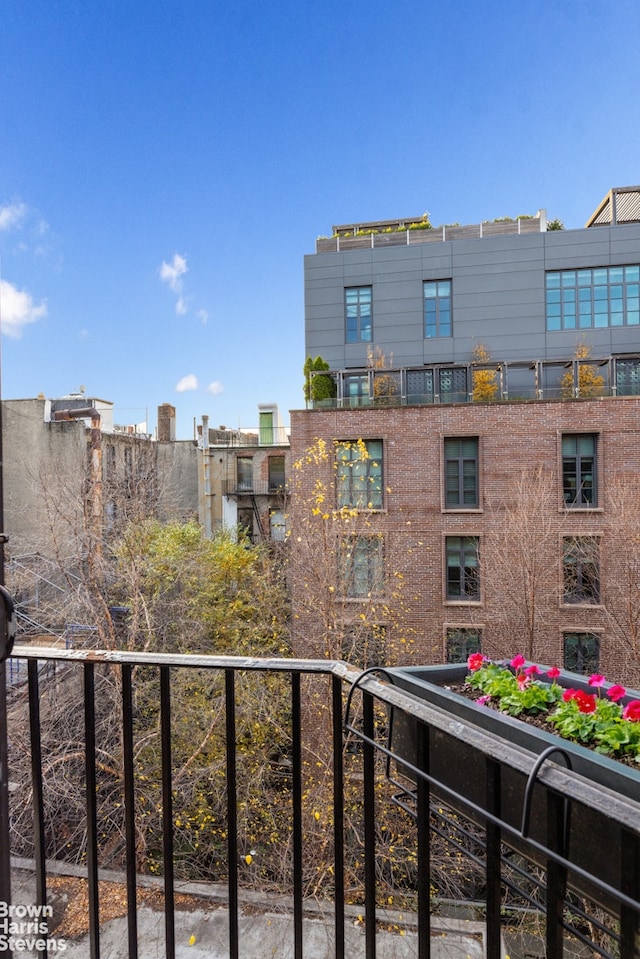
[{"x": 515, "y": 439}]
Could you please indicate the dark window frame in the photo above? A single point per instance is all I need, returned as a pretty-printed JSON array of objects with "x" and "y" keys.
[
  {"x": 359, "y": 478},
  {"x": 358, "y": 314},
  {"x": 579, "y": 471},
  {"x": 585, "y": 657},
  {"x": 460, "y": 642},
  {"x": 463, "y": 576},
  {"x": 581, "y": 570},
  {"x": 437, "y": 298},
  {"x": 361, "y": 566},
  {"x": 461, "y": 472}
]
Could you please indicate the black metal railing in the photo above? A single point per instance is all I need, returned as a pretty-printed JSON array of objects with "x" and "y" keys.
[{"x": 342, "y": 716}]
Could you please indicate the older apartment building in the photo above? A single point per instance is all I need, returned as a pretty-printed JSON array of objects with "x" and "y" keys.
[{"x": 493, "y": 375}]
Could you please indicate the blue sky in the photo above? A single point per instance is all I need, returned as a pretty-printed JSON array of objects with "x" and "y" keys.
[{"x": 165, "y": 166}]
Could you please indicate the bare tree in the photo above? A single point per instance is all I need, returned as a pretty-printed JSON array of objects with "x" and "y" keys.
[{"x": 521, "y": 558}]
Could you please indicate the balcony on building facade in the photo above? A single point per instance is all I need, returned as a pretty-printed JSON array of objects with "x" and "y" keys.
[
  {"x": 259, "y": 436},
  {"x": 384, "y": 233},
  {"x": 512, "y": 381},
  {"x": 334, "y": 852}
]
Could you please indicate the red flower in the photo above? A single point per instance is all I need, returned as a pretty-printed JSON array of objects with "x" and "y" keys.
[
  {"x": 597, "y": 679},
  {"x": 553, "y": 673},
  {"x": 586, "y": 702},
  {"x": 522, "y": 680},
  {"x": 616, "y": 692},
  {"x": 475, "y": 661},
  {"x": 632, "y": 711},
  {"x": 518, "y": 661},
  {"x": 532, "y": 670}
]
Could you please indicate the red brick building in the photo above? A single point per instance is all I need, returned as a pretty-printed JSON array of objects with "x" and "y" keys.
[{"x": 511, "y": 526}]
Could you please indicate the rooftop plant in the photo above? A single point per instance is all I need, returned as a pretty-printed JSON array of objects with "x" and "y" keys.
[{"x": 595, "y": 719}]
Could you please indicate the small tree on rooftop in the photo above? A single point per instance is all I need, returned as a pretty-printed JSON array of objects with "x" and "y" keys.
[
  {"x": 590, "y": 383},
  {"x": 485, "y": 387},
  {"x": 317, "y": 388}
]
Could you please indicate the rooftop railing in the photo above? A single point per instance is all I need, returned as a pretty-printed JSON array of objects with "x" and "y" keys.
[
  {"x": 343, "y": 837},
  {"x": 367, "y": 238}
]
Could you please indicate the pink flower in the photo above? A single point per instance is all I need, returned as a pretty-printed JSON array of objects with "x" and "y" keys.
[
  {"x": 517, "y": 662},
  {"x": 532, "y": 670},
  {"x": 475, "y": 661},
  {"x": 616, "y": 692},
  {"x": 597, "y": 679},
  {"x": 632, "y": 711},
  {"x": 553, "y": 673},
  {"x": 483, "y": 700}
]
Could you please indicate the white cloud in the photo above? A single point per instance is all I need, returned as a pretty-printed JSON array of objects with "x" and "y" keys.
[
  {"x": 189, "y": 382},
  {"x": 172, "y": 273},
  {"x": 17, "y": 309},
  {"x": 181, "y": 306},
  {"x": 203, "y": 316},
  {"x": 215, "y": 388},
  {"x": 12, "y": 215}
]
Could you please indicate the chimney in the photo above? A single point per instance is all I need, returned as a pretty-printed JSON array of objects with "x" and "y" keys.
[{"x": 166, "y": 423}]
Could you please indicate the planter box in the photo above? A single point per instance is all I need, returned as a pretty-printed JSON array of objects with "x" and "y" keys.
[{"x": 460, "y": 752}]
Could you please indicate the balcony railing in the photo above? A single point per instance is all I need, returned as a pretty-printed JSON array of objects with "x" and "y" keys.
[
  {"x": 373, "y": 239},
  {"x": 245, "y": 487},
  {"x": 514, "y": 381},
  {"x": 331, "y": 741}
]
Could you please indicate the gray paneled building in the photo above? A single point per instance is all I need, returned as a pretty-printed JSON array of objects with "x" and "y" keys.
[{"x": 425, "y": 300}]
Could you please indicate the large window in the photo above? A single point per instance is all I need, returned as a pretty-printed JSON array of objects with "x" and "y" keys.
[
  {"x": 461, "y": 472},
  {"x": 587, "y": 299},
  {"x": 358, "y": 314},
  {"x": 581, "y": 569},
  {"x": 359, "y": 474},
  {"x": 362, "y": 566},
  {"x": 437, "y": 308},
  {"x": 276, "y": 473},
  {"x": 463, "y": 568},
  {"x": 581, "y": 652},
  {"x": 579, "y": 470},
  {"x": 244, "y": 469},
  {"x": 461, "y": 642}
]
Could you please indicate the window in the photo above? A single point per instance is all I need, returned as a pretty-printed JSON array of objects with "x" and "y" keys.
[
  {"x": 581, "y": 652},
  {"x": 461, "y": 472},
  {"x": 244, "y": 467},
  {"x": 463, "y": 568},
  {"x": 581, "y": 569},
  {"x": 276, "y": 473},
  {"x": 437, "y": 308},
  {"x": 461, "y": 642},
  {"x": 359, "y": 319},
  {"x": 355, "y": 389},
  {"x": 361, "y": 566},
  {"x": 588, "y": 299},
  {"x": 245, "y": 523},
  {"x": 277, "y": 526},
  {"x": 364, "y": 646},
  {"x": 579, "y": 470},
  {"x": 359, "y": 474}
]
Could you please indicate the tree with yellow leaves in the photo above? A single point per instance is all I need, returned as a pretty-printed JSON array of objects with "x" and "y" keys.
[{"x": 589, "y": 382}]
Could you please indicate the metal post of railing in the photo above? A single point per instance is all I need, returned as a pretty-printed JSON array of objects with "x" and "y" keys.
[
  {"x": 129, "y": 810},
  {"x": 423, "y": 806},
  {"x": 36, "y": 780},
  {"x": 296, "y": 800},
  {"x": 232, "y": 810},
  {"x": 493, "y": 861},
  {"x": 91, "y": 806},
  {"x": 369, "y": 807},
  {"x": 338, "y": 818},
  {"x": 630, "y": 873},
  {"x": 167, "y": 812}
]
